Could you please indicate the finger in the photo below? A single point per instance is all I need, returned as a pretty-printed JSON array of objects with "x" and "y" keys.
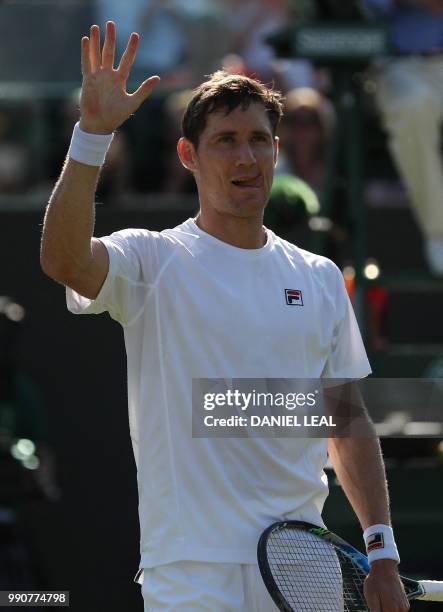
[
  {"x": 143, "y": 91},
  {"x": 86, "y": 64},
  {"x": 94, "y": 48},
  {"x": 128, "y": 56},
  {"x": 108, "y": 52}
]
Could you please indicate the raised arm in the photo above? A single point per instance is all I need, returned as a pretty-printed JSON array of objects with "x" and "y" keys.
[{"x": 69, "y": 253}]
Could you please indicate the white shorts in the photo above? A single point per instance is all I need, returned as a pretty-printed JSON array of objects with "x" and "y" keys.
[{"x": 190, "y": 586}]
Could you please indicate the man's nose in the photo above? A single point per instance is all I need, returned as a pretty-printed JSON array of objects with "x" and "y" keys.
[{"x": 245, "y": 155}]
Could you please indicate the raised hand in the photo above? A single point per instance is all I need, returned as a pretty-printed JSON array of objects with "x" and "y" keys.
[{"x": 105, "y": 103}]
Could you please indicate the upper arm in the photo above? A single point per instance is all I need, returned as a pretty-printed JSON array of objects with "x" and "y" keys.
[
  {"x": 346, "y": 357},
  {"x": 122, "y": 273},
  {"x": 89, "y": 281}
]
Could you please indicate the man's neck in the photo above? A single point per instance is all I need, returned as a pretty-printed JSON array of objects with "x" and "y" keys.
[{"x": 242, "y": 233}]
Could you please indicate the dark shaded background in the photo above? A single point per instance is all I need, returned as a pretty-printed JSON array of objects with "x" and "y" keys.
[{"x": 87, "y": 542}]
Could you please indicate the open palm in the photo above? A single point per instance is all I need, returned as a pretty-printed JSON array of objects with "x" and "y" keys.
[{"x": 105, "y": 103}]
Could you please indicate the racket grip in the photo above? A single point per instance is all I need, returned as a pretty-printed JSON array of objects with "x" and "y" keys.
[{"x": 433, "y": 590}]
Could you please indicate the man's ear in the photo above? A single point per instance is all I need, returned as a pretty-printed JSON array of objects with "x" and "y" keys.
[
  {"x": 187, "y": 154},
  {"x": 276, "y": 149}
]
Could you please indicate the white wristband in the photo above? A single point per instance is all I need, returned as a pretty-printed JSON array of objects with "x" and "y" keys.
[
  {"x": 89, "y": 148},
  {"x": 380, "y": 543}
]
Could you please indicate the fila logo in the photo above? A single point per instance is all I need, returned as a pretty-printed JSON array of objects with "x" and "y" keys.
[
  {"x": 374, "y": 541},
  {"x": 294, "y": 297}
]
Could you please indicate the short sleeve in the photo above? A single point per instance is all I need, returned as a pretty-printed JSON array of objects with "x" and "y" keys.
[
  {"x": 347, "y": 357},
  {"x": 135, "y": 260}
]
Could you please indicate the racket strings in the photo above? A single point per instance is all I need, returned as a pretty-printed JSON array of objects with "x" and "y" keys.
[
  {"x": 312, "y": 575},
  {"x": 352, "y": 583}
]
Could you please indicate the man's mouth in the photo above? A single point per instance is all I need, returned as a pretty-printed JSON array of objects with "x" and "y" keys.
[{"x": 250, "y": 182}]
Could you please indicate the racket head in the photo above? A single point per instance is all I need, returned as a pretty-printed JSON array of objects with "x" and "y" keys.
[
  {"x": 304, "y": 568},
  {"x": 294, "y": 556}
]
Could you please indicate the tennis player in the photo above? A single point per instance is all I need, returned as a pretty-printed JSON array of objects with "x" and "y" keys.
[{"x": 219, "y": 296}]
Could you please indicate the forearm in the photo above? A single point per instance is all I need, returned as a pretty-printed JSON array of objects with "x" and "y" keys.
[
  {"x": 358, "y": 464},
  {"x": 69, "y": 221}
]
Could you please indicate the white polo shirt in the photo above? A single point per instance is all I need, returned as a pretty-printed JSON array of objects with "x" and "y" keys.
[{"x": 192, "y": 306}]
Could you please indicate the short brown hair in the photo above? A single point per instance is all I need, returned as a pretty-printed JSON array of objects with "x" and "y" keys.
[{"x": 228, "y": 91}]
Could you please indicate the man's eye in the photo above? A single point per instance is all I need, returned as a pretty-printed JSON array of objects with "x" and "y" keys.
[
  {"x": 260, "y": 138},
  {"x": 226, "y": 139}
]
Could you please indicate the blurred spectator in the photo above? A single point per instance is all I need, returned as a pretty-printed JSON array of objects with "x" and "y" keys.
[
  {"x": 410, "y": 98},
  {"x": 305, "y": 132},
  {"x": 173, "y": 45},
  {"x": 163, "y": 43},
  {"x": 205, "y": 30},
  {"x": 177, "y": 178},
  {"x": 234, "y": 64},
  {"x": 248, "y": 23},
  {"x": 292, "y": 72}
]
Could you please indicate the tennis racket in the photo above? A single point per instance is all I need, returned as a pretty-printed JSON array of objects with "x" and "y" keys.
[{"x": 307, "y": 568}]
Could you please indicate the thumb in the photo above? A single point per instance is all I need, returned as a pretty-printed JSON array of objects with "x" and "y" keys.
[{"x": 143, "y": 91}]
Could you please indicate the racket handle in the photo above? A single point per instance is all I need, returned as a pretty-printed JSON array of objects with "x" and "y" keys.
[{"x": 433, "y": 590}]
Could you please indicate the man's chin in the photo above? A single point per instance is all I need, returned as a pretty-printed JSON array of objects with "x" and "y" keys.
[{"x": 249, "y": 206}]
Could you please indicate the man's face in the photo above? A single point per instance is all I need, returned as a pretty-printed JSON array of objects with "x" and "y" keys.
[{"x": 235, "y": 160}]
